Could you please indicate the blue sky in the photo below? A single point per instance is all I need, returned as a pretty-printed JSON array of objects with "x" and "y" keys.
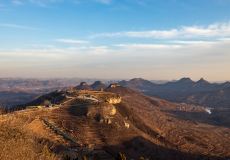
[{"x": 153, "y": 39}]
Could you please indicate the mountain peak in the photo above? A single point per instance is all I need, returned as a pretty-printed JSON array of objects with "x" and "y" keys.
[
  {"x": 185, "y": 79},
  {"x": 137, "y": 79},
  {"x": 202, "y": 81},
  {"x": 140, "y": 80},
  {"x": 98, "y": 85},
  {"x": 83, "y": 86},
  {"x": 226, "y": 84}
]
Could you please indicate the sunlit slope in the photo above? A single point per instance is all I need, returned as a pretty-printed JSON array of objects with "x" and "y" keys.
[{"x": 103, "y": 124}]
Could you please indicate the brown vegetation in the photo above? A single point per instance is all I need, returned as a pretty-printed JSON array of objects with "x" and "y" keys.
[{"x": 139, "y": 127}]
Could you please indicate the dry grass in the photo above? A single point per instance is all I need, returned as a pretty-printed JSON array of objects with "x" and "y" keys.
[{"x": 17, "y": 142}]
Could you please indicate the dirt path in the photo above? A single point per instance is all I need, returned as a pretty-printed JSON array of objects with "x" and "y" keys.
[{"x": 89, "y": 143}]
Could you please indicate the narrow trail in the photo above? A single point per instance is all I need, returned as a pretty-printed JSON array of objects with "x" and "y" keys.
[
  {"x": 92, "y": 144},
  {"x": 60, "y": 132}
]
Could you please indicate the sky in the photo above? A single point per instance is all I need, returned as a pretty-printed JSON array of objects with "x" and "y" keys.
[{"x": 115, "y": 39}]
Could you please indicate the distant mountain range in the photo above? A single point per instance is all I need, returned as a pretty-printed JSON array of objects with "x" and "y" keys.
[
  {"x": 185, "y": 90},
  {"x": 97, "y": 85},
  {"x": 15, "y": 91}
]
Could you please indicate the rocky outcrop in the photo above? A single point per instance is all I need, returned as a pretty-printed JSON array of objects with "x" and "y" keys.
[
  {"x": 102, "y": 112},
  {"x": 114, "y": 85},
  {"x": 114, "y": 100}
]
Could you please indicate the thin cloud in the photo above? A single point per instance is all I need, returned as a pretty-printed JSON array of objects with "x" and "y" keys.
[
  {"x": 193, "y": 42},
  {"x": 104, "y": 1},
  {"x": 17, "y": 2},
  {"x": 213, "y": 30},
  {"x": 195, "y": 58},
  {"x": 44, "y": 3},
  {"x": 72, "y": 41},
  {"x": 175, "y": 44},
  {"x": 148, "y": 46},
  {"x": 16, "y": 26},
  {"x": 95, "y": 1}
]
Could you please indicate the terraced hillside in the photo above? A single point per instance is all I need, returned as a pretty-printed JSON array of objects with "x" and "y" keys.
[{"x": 102, "y": 124}]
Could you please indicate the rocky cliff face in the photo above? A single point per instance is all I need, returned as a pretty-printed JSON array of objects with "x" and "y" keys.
[{"x": 104, "y": 110}]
